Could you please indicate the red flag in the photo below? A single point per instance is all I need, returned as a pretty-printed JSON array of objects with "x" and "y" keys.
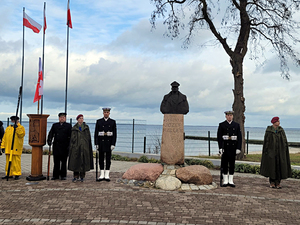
[
  {"x": 45, "y": 24},
  {"x": 39, "y": 85},
  {"x": 69, "y": 21},
  {"x": 30, "y": 23}
]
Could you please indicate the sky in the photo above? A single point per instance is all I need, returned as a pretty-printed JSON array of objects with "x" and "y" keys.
[{"x": 117, "y": 60}]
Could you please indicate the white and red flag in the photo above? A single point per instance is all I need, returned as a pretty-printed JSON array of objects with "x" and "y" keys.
[
  {"x": 39, "y": 85},
  {"x": 45, "y": 24},
  {"x": 30, "y": 23},
  {"x": 69, "y": 21}
]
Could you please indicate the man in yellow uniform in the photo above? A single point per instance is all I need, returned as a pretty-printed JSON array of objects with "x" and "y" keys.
[{"x": 15, "y": 169}]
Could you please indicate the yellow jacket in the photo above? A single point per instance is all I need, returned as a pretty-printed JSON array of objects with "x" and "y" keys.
[{"x": 18, "y": 142}]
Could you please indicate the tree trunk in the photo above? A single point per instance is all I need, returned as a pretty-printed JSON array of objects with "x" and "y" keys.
[{"x": 239, "y": 100}]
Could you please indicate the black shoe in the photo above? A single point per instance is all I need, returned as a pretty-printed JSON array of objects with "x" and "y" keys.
[
  {"x": 17, "y": 178},
  {"x": 81, "y": 179},
  {"x": 100, "y": 179},
  {"x": 231, "y": 185},
  {"x": 63, "y": 178},
  {"x": 224, "y": 185},
  {"x": 54, "y": 178},
  {"x": 6, "y": 177},
  {"x": 107, "y": 179}
]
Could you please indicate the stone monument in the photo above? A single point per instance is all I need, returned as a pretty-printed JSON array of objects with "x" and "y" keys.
[{"x": 174, "y": 106}]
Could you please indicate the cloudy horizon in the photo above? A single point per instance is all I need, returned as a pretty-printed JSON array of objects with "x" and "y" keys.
[{"x": 117, "y": 60}]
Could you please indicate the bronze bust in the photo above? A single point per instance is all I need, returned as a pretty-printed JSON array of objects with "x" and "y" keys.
[{"x": 175, "y": 102}]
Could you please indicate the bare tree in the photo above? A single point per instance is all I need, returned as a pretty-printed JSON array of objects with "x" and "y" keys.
[{"x": 253, "y": 22}]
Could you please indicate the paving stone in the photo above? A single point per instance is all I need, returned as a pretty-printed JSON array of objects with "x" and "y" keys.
[{"x": 90, "y": 202}]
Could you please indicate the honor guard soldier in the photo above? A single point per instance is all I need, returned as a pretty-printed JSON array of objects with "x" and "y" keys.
[
  {"x": 105, "y": 141},
  {"x": 230, "y": 142}
]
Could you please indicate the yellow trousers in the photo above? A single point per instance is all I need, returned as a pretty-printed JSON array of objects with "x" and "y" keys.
[{"x": 15, "y": 168}]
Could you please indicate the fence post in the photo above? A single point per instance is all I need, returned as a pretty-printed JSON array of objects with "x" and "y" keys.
[
  {"x": 208, "y": 143},
  {"x": 132, "y": 135},
  {"x": 71, "y": 121},
  {"x": 144, "y": 144},
  {"x": 7, "y": 121},
  {"x": 247, "y": 141}
]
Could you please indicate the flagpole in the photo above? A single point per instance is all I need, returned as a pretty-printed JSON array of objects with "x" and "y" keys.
[
  {"x": 22, "y": 78},
  {"x": 42, "y": 97},
  {"x": 66, "y": 94},
  {"x": 67, "y": 62}
]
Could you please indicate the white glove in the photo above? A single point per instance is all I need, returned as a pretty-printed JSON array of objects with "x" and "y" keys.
[
  {"x": 96, "y": 147},
  {"x": 221, "y": 151},
  {"x": 101, "y": 133},
  {"x": 109, "y": 133},
  {"x": 234, "y": 138},
  {"x": 112, "y": 147},
  {"x": 237, "y": 151}
]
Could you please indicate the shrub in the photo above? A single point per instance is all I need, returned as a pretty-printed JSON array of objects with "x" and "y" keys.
[
  {"x": 205, "y": 163},
  {"x": 143, "y": 159},
  {"x": 295, "y": 174}
]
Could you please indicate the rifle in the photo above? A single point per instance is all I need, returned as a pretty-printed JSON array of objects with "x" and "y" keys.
[
  {"x": 96, "y": 164},
  {"x": 221, "y": 174},
  {"x": 13, "y": 139},
  {"x": 49, "y": 154}
]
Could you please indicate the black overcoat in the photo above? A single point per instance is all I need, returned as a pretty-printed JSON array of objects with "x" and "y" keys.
[
  {"x": 275, "y": 160},
  {"x": 80, "y": 150},
  {"x": 61, "y": 134},
  {"x": 105, "y": 142},
  {"x": 230, "y": 129}
]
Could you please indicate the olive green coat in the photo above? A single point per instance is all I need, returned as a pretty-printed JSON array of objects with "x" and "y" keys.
[
  {"x": 275, "y": 161},
  {"x": 80, "y": 152}
]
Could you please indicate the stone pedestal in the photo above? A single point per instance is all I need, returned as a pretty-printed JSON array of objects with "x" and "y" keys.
[
  {"x": 37, "y": 139},
  {"x": 172, "y": 142}
]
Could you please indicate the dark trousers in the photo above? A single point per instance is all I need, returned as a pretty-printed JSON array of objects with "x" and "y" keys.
[
  {"x": 77, "y": 174},
  {"x": 107, "y": 156},
  {"x": 228, "y": 162},
  {"x": 60, "y": 166},
  {"x": 275, "y": 181}
]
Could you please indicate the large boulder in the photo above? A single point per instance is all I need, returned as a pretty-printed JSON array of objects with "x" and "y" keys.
[
  {"x": 195, "y": 174},
  {"x": 144, "y": 171},
  {"x": 169, "y": 183}
]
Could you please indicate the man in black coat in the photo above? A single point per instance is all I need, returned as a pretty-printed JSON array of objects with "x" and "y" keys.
[
  {"x": 61, "y": 132},
  {"x": 230, "y": 142},
  {"x": 105, "y": 141}
]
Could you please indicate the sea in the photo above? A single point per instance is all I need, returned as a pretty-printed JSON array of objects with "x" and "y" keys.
[{"x": 136, "y": 136}]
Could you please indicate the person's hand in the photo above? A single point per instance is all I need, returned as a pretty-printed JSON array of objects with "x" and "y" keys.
[
  {"x": 221, "y": 151},
  {"x": 237, "y": 151},
  {"x": 109, "y": 133},
  {"x": 101, "y": 133},
  {"x": 96, "y": 146},
  {"x": 112, "y": 147}
]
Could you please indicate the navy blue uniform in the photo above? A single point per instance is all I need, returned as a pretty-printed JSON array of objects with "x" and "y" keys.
[
  {"x": 105, "y": 137},
  {"x": 232, "y": 131}
]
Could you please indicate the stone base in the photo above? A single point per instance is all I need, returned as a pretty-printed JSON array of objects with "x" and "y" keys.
[{"x": 172, "y": 141}]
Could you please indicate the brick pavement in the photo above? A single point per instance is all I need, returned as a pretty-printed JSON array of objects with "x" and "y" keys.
[{"x": 90, "y": 202}]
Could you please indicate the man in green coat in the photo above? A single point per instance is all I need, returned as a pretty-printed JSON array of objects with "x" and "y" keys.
[
  {"x": 275, "y": 161},
  {"x": 80, "y": 153}
]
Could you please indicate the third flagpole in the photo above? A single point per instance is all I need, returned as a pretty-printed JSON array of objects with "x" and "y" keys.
[
  {"x": 43, "y": 60},
  {"x": 69, "y": 25}
]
